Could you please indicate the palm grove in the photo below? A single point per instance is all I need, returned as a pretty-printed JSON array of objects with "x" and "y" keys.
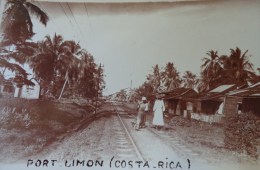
[
  {"x": 61, "y": 67},
  {"x": 216, "y": 70}
]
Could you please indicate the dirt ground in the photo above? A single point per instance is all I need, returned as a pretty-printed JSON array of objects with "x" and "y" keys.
[
  {"x": 68, "y": 131},
  {"x": 203, "y": 138}
]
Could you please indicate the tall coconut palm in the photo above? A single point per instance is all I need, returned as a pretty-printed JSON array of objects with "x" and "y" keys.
[
  {"x": 70, "y": 62},
  {"x": 189, "y": 80},
  {"x": 17, "y": 28},
  {"x": 44, "y": 61},
  {"x": 211, "y": 64},
  {"x": 16, "y": 21},
  {"x": 171, "y": 78},
  {"x": 155, "y": 78},
  {"x": 87, "y": 78},
  {"x": 238, "y": 67},
  {"x": 211, "y": 70},
  {"x": 54, "y": 62}
]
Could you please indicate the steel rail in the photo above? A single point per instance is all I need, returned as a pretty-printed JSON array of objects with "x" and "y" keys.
[
  {"x": 174, "y": 147},
  {"x": 138, "y": 153}
]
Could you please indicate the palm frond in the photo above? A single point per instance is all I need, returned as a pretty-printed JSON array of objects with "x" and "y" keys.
[{"x": 38, "y": 12}]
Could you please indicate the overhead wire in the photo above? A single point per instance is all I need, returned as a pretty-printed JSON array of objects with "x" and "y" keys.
[
  {"x": 64, "y": 11},
  {"x": 44, "y": 9},
  {"x": 90, "y": 23},
  {"x": 79, "y": 30},
  {"x": 74, "y": 18}
]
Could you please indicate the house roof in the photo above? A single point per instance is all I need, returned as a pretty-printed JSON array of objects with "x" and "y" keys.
[
  {"x": 251, "y": 91},
  {"x": 218, "y": 93},
  {"x": 179, "y": 93},
  {"x": 222, "y": 88}
]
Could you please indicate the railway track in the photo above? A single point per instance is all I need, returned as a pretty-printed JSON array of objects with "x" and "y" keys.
[
  {"x": 169, "y": 140},
  {"x": 149, "y": 141},
  {"x": 129, "y": 136}
]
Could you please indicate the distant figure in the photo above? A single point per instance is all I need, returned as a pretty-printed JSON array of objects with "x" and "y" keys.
[
  {"x": 158, "y": 109},
  {"x": 143, "y": 119},
  {"x": 141, "y": 113}
]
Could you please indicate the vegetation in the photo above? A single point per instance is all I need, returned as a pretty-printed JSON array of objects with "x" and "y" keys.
[
  {"x": 216, "y": 70},
  {"x": 31, "y": 125},
  {"x": 242, "y": 133},
  {"x": 57, "y": 64},
  {"x": 17, "y": 31}
]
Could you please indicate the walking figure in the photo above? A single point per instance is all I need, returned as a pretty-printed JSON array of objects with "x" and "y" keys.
[
  {"x": 158, "y": 109},
  {"x": 142, "y": 109}
]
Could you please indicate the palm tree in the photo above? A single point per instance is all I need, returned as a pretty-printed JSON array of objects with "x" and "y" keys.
[
  {"x": 212, "y": 68},
  {"x": 238, "y": 67},
  {"x": 155, "y": 78},
  {"x": 70, "y": 62},
  {"x": 16, "y": 21},
  {"x": 87, "y": 78},
  {"x": 44, "y": 61},
  {"x": 55, "y": 62},
  {"x": 17, "y": 28},
  {"x": 211, "y": 64},
  {"x": 171, "y": 78},
  {"x": 189, "y": 80}
]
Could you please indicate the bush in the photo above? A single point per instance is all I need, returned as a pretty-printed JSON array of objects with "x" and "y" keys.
[{"x": 242, "y": 133}]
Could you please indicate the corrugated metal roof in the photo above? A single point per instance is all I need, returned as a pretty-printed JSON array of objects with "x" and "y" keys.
[
  {"x": 222, "y": 88},
  {"x": 237, "y": 91},
  {"x": 218, "y": 93},
  {"x": 253, "y": 90},
  {"x": 178, "y": 93},
  {"x": 257, "y": 94}
]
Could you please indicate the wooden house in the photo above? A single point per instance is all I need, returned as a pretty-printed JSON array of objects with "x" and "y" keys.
[
  {"x": 28, "y": 92},
  {"x": 179, "y": 100},
  {"x": 243, "y": 100},
  {"x": 210, "y": 104},
  {"x": 211, "y": 101}
]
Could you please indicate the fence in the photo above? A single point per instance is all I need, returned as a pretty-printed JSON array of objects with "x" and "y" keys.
[{"x": 216, "y": 118}]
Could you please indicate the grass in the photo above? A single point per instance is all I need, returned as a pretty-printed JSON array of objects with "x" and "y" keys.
[{"x": 27, "y": 126}]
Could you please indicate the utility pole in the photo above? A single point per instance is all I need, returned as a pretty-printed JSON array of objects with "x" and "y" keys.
[{"x": 99, "y": 75}]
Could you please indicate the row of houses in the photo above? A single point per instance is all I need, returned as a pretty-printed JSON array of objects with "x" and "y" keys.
[{"x": 211, "y": 106}]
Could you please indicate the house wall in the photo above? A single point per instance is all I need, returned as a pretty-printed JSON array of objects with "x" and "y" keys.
[
  {"x": 251, "y": 105},
  {"x": 231, "y": 105},
  {"x": 30, "y": 92},
  {"x": 209, "y": 106},
  {"x": 171, "y": 105}
]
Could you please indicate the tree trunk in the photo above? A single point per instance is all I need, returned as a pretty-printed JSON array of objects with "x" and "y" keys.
[{"x": 62, "y": 90}]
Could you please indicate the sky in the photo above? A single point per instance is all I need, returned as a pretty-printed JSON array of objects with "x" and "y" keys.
[{"x": 130, "y": 38}]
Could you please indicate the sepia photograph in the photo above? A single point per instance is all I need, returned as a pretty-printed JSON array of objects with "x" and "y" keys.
[{"x": 130, "y": 84}]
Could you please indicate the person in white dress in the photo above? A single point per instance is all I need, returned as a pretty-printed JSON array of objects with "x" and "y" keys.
[{"x": 158, "y": 109}]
